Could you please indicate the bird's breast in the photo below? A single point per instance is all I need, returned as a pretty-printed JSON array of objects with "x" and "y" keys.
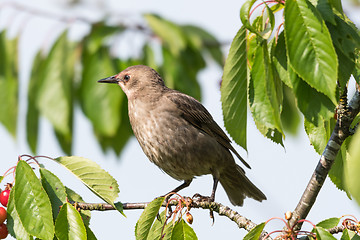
[{"x": 175, "y": 145}]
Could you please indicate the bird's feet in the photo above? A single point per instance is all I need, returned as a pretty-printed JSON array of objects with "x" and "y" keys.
[
  {"x": 206, "y": 199},
  {"x": 202, "y": 198}
]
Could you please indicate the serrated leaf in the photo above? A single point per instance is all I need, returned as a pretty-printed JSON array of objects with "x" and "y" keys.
[
  {"x": 13, "y": 222},
  {"x": 313, "y": 104},
  {"x": 234, "y": 89},
  {"x": 255, "y": 233},
  {"x": 9, "y": 83},
  {"x": 263, "y": 99},
  {"x": 352, "y": 168},
  {"x": 182, "y": 231},
  {"x": 147, "y": 217},
  {"x": 32, "y": 203},
  {"x": 309, "y": 47},
  {"x": 93, "y": 176},
  {"x": 69, "y": 225},
  {"x": 158, "y": 226},
  {"x": 54, "y": 189},
  {"x": 168, "y": 32},
  {"x": 322, "y": 234},
  {"x": 329, "y": 223},
  {"x": 73, "y": 196}
]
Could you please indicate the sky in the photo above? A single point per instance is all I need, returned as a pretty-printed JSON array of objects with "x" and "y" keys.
[{"x": 281, "y": 173}]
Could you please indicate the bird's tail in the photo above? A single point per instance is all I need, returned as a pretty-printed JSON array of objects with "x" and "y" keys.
[{"x": 237, "y": 186}]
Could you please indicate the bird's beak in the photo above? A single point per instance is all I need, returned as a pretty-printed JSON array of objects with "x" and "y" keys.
[{"x": 111, "y": 79}]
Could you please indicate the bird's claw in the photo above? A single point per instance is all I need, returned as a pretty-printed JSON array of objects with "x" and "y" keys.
[{"x": 203, "y": 198}]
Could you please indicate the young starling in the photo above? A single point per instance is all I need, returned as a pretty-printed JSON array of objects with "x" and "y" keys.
[{"x": 179, "y": 135}]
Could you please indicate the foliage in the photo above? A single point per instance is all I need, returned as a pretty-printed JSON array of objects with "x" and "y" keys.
[
  {"x": 306, "y": 59},
  {"x": 66, "y": 76},
  {"x": 40, "y": 207}
]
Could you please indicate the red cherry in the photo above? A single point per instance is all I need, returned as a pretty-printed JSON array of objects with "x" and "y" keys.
[
  {"x": 4, "y": 197},
  {"x": 3, "y": 231},
  {"x": 3, "y": 215}
]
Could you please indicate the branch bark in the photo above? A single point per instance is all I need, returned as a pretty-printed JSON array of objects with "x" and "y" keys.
[
  {"x": 222, "y": 210},
  {"x": 345, "y": 115}
]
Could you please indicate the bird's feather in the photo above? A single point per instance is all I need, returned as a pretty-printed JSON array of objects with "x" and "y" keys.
[{"x": 196, "y": 114}]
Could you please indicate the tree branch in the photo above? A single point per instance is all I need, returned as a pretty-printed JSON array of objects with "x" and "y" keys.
[
  {"x": 345, "y": 116},
  {"x": 241, "y": 221}
]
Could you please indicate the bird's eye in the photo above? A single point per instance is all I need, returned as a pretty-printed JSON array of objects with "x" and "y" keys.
[{"x": 126, "y": 78}]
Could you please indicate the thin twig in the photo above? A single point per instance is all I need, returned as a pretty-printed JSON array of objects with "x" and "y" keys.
[{"x": 241, "y": 221}]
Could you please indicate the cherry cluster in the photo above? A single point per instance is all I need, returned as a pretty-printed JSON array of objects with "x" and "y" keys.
[{"x": 4, "y": 198}]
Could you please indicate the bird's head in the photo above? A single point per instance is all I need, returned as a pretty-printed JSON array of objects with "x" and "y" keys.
[{"x": 136, "y": 79}]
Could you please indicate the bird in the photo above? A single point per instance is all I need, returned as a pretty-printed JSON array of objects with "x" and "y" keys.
[{"x": 178, "y": 134}]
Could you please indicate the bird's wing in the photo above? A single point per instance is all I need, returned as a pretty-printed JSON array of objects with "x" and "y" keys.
[{"x": 196, "y": 114}]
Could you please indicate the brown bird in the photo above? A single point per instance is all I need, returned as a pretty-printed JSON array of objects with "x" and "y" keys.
[{"x": 179, "y": 135}]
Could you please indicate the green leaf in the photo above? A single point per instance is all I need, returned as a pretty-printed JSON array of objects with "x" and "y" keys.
[
  {"x": 234, "y": 89},
  {"x": 280, "y": 60},
  {"x": 255, "y": 233},
  {"x": 9, "y": 82},
  {"x": 170, "y": 34},
  {"x": 32, "y": 203},
  {"x": 329, "y": 223},
  {"x": 319, "y": 134},
  {"x": 263, "y": 98},
  {"x": 245, "y": 16},
  {"x": 324, "y": 7},
  {"x": 149, "y": 56},
  {"x": 290, "y": 118},
  {"x": 352, "y": 168},
  {"x": 73, "y": 196},
  {"x": 13, "y": 222},
  {"x": 180, "y": 73},
  {"x": 32, "y": 115},
  {"x": 202, "y": 39},
  {"x": 54, "y": 189},
  {"x": 322, "y": 234},
  {"x": 345, "y": 235},
  {"x": 93, "y": 176},
  {"x": 314, "y": 105},
  {"x": 55, "y": 93},
  {"x": 100, "y": 102},
  {"x": 69, "y": 225},
  {"x": 147, "y": 217},
  {"x": 98, "y": 34},
  {"x": 182, "y": 231},
  {"x": 309, "y": 47},
  {"x": 157, "y": 227},
  {"x": 89, "y": 234},
  {"x": 336, "y": 173}
]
